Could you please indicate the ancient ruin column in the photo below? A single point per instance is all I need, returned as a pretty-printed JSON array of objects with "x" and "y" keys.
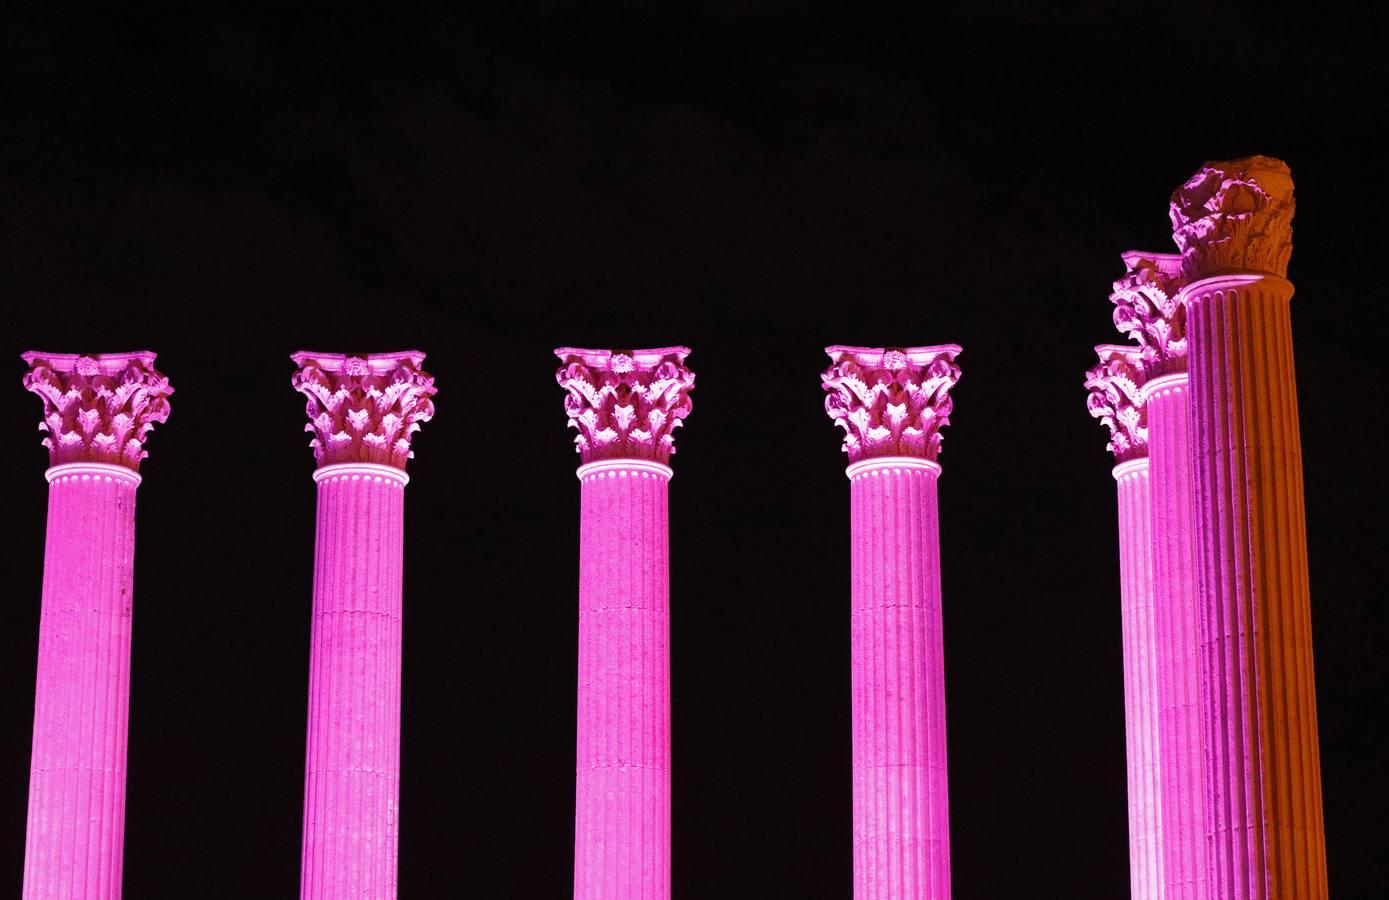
[
  {"x": 98, "y": 411},
  {"x": 626, "y": 407},
  {"x": 892, "y": 404},
  {"x": 1147, "y": 309},
  {"x": 1115, "y": 399},
  {"x": 1263, "y": 809},
  {"x": 363, "y": 412}
]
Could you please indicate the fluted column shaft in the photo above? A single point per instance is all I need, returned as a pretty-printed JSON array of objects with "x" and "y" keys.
[
  {"x": 901, "y": 814},
  {"x": 622, "y": 794},
  {"x": 1178, "y": 637},
  {"x": 76, "y": 823},
  {"x": 1263, "y": 809},
  {"x": 1140, "y": 648},
  {"x": 352, "y": 772}
]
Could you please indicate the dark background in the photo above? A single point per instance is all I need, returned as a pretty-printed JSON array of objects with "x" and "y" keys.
[{"x": 489, "y": 184}]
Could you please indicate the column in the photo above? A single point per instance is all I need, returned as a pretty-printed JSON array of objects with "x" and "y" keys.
[
  {"x": 892, "y": 404},
  {"x": 1263, "y": 810},
  {"x": 626, "y": 407},
  {"x": 98, "y": 412},
  {"x": 363, "y": 412},
  {"x": 1147, "y": 308},
  {"x": 1115, "y": 399}
]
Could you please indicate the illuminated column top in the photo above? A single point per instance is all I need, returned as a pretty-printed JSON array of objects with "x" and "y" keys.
[
  {"x": 98, "y": 409},
  {"x": 625, "y": 404},
  {"x": 364, "y": 409},
  {"x": 1149, "y": 310},
  {"x": 1235, "y": 217},
  {"x": 1115, "y": 388},
  {"x": 892, "y": 402}
]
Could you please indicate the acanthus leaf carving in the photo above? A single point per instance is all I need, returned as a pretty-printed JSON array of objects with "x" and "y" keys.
[
  {"x": 1115, "y": 397},
  {"x": 364, "y": 408},
  {"x": 625, "y": 405},
  {"x": 890, "y": 401},
  {"x": 1148, "y": 308},
  {"x": 1235, "y": 216},
  {"x": 98, "y": 408}
]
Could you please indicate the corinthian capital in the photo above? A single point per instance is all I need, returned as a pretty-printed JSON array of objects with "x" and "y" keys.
[
  {"x": 890, "y": 401},
  {"x": 1148, "y": 310},
  {"x": 625, "y": 404},
  {"x": 98, "y": 408},
  {"x": 1116, "y": 399},
  {"x": 1235, "y": 216},
  {"x": 364, "y": 408}
]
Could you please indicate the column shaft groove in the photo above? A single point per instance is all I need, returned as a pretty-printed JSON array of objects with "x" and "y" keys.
[
  {"x": 1263, "y": 809},
  {"x": 1141, "y": 704},
  {"x": 76, "y": 820},
  {"x": 352, "y": 769},
  {"x": 901, "y": 817},
  {"x": 1178, "y": 639},
  {"x": 622, "y": 784}
]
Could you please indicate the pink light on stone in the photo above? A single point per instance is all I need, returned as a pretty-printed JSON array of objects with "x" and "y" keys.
[
  {"x": 625, "y": 406},
  {"x": 1148, "y": 308},
  {"x": 363, "y": 412},
  {"x": 1262, "y": 782},
  {"x": 892, "y": 404},
  {"x": 98, "y": 411},
  {"x": 1115, "y": 398}
]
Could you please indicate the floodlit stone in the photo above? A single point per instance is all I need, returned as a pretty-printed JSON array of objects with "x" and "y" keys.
[
  {"x": 363, "y": 412},
  {"x": 1115, "y": 398},
  {"x": 1262, "y": 784},
  {"x": 625, "y": 406},
  {"x": 98, "y": 412},
  {"x": 892, "y": 404},
  {"x": 1149, "y": 309}
]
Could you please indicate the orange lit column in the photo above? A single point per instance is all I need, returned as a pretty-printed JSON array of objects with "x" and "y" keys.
[{"x": 1263, "y": 807}]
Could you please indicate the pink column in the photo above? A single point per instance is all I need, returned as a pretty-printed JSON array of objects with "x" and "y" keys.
[
  {"x": 1115, "y": 399},
  {"x": 1263, "y": 809},
  {"x": 1148, "y": 309},
  {"x": 98, "y": 411},
  {"x": 626, "y": 407},
  {"x": 363, "y": 411},
  {"x": 892, "y": 404}
]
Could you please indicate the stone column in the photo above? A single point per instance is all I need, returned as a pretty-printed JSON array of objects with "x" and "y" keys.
[
  {"x": 1233, "y": 223},
  {"x": 1148, "y": 310},
  {"x": 892, "y": 404},
  {"x": 363, "y": 412},
  {"x": 98, "y": 411},
  {"x": 1115, "y": 386},
  {"x": 626, "y": 407}
]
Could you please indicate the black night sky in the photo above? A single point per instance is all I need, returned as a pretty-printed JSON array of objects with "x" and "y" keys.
[{"x": 489, "y": 182}]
